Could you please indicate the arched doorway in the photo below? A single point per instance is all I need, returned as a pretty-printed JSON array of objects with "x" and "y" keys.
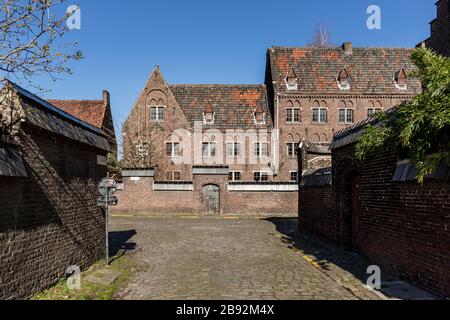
[{"x": 211, "y": 199}]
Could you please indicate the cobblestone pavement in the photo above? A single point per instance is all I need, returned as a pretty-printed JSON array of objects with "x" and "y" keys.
[{"x": 218, "y": 258}]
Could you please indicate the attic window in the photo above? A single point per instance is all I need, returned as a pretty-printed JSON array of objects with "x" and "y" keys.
[
  {"x": 208, "y": 115},
  {"x": 400, "y": 79},
  {"x": 292, "y": 80},
  {"x": 260, "y": 116},
  {"x": 343, "y": 80}
]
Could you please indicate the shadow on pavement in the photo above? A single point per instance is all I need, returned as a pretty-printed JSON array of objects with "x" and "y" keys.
[
  {"x": 329, "y": 256},
  {"x": 119, "y": 241}
]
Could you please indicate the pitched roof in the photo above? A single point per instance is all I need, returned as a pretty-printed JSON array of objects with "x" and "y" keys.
[
  {"x": 42, "y": 114},
  {"x": 90, "y": 111},
  {"x": 234, "y": 105},
  {"x": 371, "y": 70}
]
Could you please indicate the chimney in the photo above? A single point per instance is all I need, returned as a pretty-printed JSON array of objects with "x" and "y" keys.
[
  {"x": 348, "y": 48},
  {"x": 106, "y": 98}
]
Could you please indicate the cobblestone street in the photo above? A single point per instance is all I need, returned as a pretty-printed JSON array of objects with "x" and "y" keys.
[{"x": 219, "y": 258}]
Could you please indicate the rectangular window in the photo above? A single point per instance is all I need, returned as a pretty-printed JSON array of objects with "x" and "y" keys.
[
  {"x": 261, "y": 149},
  {"x": 294, "y": 176},
  {"x": 319, "y": 115},
  {"x": 260, "y": 176},
  {"x": 293, "y": 115},
  {"x": 177, "y": 175},
  {"x": 209, "y": 149},
  {"x": 233, "y": 149},
  {"x": 173, "y": 175},
  {"x": 297, "y": 117},
  {"x": 346, "y": 116},
  {"x": 289, "y": 115},
  {"x": 173, "y": 149},
  {"x": 157, "y": 113},
  {"x": 292, "y": 150},
  {"x": 234, "y": 176},
  {"x": 372, "y": 111}
]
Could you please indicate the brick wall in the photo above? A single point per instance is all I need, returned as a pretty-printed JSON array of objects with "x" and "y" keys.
[
  {"x": 402, "y": 225},
  {"x": 139, "y": 197},
  {"x": 440, "y": 29},
  {"x": 318, "y": 212},
  {"x": 50, "y": 220}
]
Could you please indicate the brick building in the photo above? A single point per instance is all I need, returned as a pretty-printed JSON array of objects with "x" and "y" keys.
[
  {"x": 439, "y": 40},
  {"x": 50, "y": 165},
  {"x": 309, "y": 93},
  {"x": 378, "y": 208}
]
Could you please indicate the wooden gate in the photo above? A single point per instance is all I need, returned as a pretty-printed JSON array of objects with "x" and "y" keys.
[{"x": 211, "y": 199}]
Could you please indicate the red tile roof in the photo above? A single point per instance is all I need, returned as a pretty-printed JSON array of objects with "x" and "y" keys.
[
  {"x": 370, "y": 70},
  {"x": 234, "y": 105},
  {"x": 90, "y": 111}
]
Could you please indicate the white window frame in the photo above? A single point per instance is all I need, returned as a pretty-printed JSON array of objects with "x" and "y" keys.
[
  {"x": 158, "y": 118},
  {"x": 261, "y": 173},
  {"x": 209, "y": 153},
  {"x": 205, "y": 121},
  {"x": 233, "y": 176},
  {"x": 294, "y": 152},
  {"x": 236, "y": 149},
  {"x": 257, "y": 149},
  {"x": 320, "y": 120},
  {"x": 373, "y": 111},
  {"x": 290, "y": 176},
  {"x": 292, "y": 110},
  {"x": 290, "y": 87},
  {"x": 346, "y": 115},
  {"x": 263, "y": 122},
  {"x": 173, "y": 143}
]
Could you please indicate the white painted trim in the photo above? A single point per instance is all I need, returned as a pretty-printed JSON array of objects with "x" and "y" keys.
[
  {"x": 263, "y": 188},
  {"x": 173, "y": 187}
]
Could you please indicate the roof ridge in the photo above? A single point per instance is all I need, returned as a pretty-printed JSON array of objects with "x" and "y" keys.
[{"x": 217, "y": 84}]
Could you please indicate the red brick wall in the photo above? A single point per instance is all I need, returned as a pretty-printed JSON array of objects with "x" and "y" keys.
[
  {"x": 50, "y": 220},
  {"x": 318, "y": 212},
  {"x": 139, "y": 197},
  {"x": 403, "y": 226}
]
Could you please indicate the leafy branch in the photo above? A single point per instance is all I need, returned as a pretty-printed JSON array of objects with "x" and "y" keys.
[{"x": 420, "y": 126}]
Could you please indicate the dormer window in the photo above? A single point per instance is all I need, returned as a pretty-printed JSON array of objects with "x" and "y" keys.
[
  {"x": 292, "y": 80},
  {"x": 208, "y": 115},
  {"x": 343, "y": 80},
  {"x": 400, "y": 79},
  {"x": 260, "y": 116}
]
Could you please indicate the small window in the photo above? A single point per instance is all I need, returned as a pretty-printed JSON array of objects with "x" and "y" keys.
[
  {"x": 209, "y": 149},
  {"x": 142, "y": 149},
  {"x": 233, "y": 149},
  {"x": 292, "y": 149},
  {"x": 293, "y": 115},
  {"x": 177, "y": 175},
  {"x": 293, "y": 176},
  {"x": 260, "y": 176},
  {"x": 320, "y": 115},
  {"x": 173, "y": 149},
  {"x": 400, "y": 79},
  {"x": 291, "y": 80},
  {"x": 345, "y": 116},
  {"x": 343, "y": 80},
  {"x": 157, "y": 113},
  {"x": 173, "y": 175},
  {"x": 260, "y": 116},
  {"x": 234, "y": 176},
  {"x": 373, "y": 111},
  {"x": 261, "y": 149}
]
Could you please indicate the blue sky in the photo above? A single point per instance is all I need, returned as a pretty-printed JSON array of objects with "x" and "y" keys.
[{"x": 207, "y": 41}]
